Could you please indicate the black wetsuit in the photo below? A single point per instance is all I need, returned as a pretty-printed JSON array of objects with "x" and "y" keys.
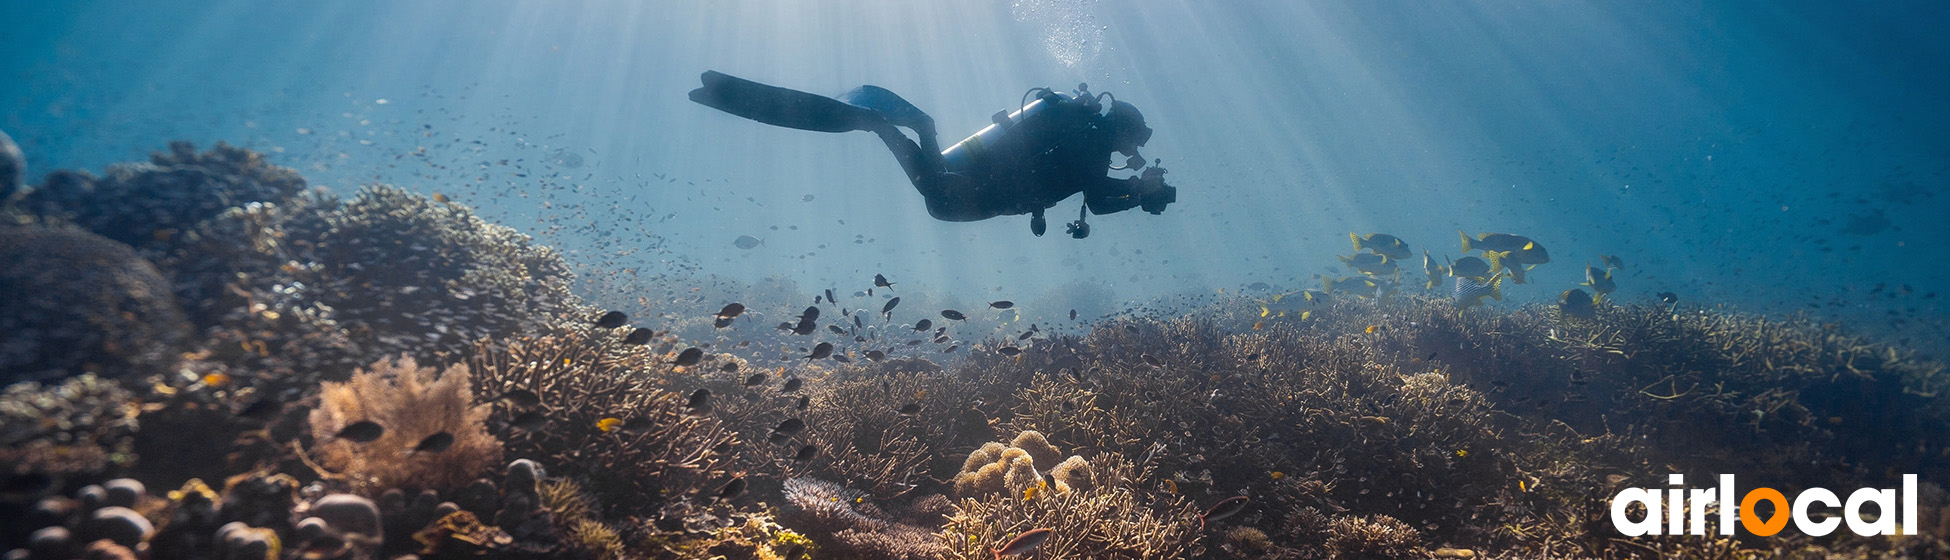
[{"x": 1046, "y": 158}]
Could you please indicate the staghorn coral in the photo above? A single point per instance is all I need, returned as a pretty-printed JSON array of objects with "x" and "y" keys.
[
  {"x": 77, "y": 302},
  {"x": 843, "y": 523},
  {"x": 1112, "y": 520},
  {"x": 865, "y": 441},
  {"x": 411, "y": 403},
  {"x": 1377, "y": 537},
  {"x": 659, "y": 453}
]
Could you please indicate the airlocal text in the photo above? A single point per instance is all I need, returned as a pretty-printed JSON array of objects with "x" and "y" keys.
[{"x": 1682, "y": 511}]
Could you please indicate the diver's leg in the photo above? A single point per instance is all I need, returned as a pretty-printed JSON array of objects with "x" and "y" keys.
[
  {"x": 913, "y": 159},
  {"x": 901, "y": 113}
]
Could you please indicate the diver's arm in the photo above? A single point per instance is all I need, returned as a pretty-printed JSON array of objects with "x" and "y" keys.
[
  {"x": 1147, "y": 190},
  {"x": 1110, "y": 196}
]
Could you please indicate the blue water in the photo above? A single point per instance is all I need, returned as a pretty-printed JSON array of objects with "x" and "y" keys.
[{"x": 1770, "y": 156}]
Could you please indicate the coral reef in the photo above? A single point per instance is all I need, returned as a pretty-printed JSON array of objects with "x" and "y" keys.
[
  {"x": 411, "y": 403},
  {"x": 650, "y": 452},
  {"x": 846, "y": 524},
  {"x": 145, "y": 204},
  {"x": 1387, "y": 427},
  {"x": 77, "y": 302}
]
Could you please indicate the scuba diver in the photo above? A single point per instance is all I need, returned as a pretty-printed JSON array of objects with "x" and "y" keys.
[{"x": 1026, "y": 162}]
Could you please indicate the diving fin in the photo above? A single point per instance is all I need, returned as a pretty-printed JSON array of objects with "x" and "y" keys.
[{"x": 779, "y": 106}]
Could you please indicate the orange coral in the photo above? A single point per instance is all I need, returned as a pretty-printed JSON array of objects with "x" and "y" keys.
[{"x": 411, "y": 403}]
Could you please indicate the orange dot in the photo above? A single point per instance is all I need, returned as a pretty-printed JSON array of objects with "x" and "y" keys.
[{"x": 1772, "y": 525}]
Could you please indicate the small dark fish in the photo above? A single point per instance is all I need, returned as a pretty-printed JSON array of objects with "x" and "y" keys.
[
  {"x": 805, "y": 401},
  {"x": 938, "y": 339},
  {"x": 790, "y": 427},
  {"x": 1153, "y": 360},
  {"x": 699, "y": 399},
  {"x": 805, "y": 327},
  {"x": 363, "y": 431},
  {"x": 690, "y": 356},
  {"x": 841, "y": 358},
  {"x": 881, "y": 282},
  {"x": 1669, "y": 297},
  {"x": 821, "y": 351},
  {"x": 1073, "y": 314},
  {"x": 810, "y": 314},
  {"x": 1003, "y": 304},
  {"x": 747, "y": 242},
  {"x": 857, "y": 324},
  {"x": 723, "y": 322},
  {"x": 953, "y": 315},
  {"x": 923, "y": 325},
  {"x": 910, "y": 409},
  {"x": 1025, "y": 335},
  {"x": 1611, "y": 261},
  {"x": 435, "y": 443},
  {"x": 637, "y": 425},
  {"x": 829, "y": 296},
  {"x": 806, "y": 453},
  {"x": 262, "y": 409},
  {"x": 876, "y": 355},
  {"x": 785, "y": 326},
  {"x": 836, "y": 329},
  {"x": 612, "y": 320},
  {"x": 530, "y": 421},
  {"x": 731, "y": 310},
  {"x": 732, "y": 489},
  {"x": 1225, "y": 508},
  {"x": 792, "y": 384},
  {"x": 755, "y": 380},
  {"x": 639, "y": 336},
  {"x": 729, "y": 367},
  {"x": 888, "y": 310},
  {"x": 951, "y": 349},
  {"x": 1009, "y": 350},
  {"x": 1024, "y": 543},
  {"x": 819, "y": 299}
]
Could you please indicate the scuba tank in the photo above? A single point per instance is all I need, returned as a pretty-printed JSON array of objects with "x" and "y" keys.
[{"x": 962, "y": 156}]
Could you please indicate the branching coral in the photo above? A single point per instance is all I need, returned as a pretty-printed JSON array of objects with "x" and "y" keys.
[
  {"x": 411, "y": 403},
  {"x": 650, "y": 451},
  {"x": 866, "y": 440},
  {"x": 846, "y": 524},
  {"x": 1112, "y": 520}
]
